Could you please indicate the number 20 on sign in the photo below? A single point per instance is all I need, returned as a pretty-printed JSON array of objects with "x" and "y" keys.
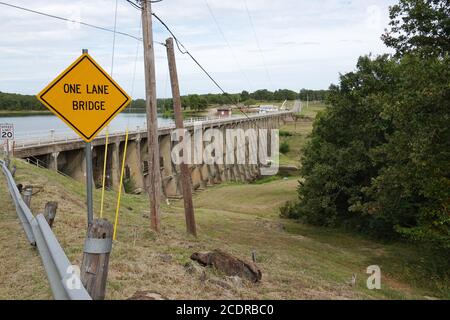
[
  {"x": 85, "y": 97},
  {"x": 6, "y": 131}
]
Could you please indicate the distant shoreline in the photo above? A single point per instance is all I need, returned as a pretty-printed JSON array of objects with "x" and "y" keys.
[
  {"x": 30, "y": 113},
  {"x": 24, "y": 113}
]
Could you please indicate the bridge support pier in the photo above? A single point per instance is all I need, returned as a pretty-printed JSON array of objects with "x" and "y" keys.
[
  {"x": 133, "y": 161},
  {"x": 115, "y": 165},
  {"x": 53, "y": 161}
]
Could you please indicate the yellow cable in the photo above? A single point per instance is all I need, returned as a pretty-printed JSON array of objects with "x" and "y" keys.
[
  {"x": 120, "y": 185},
  {"x": 104, "y": 174}
]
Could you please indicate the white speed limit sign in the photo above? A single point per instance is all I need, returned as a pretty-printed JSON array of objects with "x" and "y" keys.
[{"x": 6, "y": 131}]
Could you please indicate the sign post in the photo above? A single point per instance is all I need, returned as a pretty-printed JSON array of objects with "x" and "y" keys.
[
  {"x": 89, "y": 176},
  {"x": 86, "y": 98},
  {"x": 7, "y": 133}
]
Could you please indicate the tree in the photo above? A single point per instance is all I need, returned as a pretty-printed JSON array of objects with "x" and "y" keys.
[
  {"x": 250, "y": 102},
  {"x": 284, "y": 94},
  {"x": 336, "y": 164},
  {"x": 411, "y": 191},
  {"x": 245, "y": 95},
  {"x": 379, "y": 157},
  {"x": 419, "y": 25},
  {"x": 262, "y": 95},
  {"x": 18, "y": 102}
]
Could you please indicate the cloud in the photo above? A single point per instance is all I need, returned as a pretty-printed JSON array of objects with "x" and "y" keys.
[{"x": 304, "y": 43}]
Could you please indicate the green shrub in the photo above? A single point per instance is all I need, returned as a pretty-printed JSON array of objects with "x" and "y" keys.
[
  {"x": 284, "y": 147},
  {"x": 289, "y": 210},
  {"x": 129, "y": 185},
  {"x": 283, "y": 133}
]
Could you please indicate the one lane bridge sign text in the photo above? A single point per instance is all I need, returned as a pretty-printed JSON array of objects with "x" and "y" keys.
[{"x": 85, "y": 97}]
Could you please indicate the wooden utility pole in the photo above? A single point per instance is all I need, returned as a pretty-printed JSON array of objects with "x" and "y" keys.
[
  {"x": 185, "y": 172},
  {"x": 152, "y": 120}
]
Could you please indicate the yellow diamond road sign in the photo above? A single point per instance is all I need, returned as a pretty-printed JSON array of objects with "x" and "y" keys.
[{"x": 85, "y": 97}]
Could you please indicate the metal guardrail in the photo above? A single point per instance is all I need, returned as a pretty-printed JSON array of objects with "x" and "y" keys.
[
  {"x": 64, "y": 283},
  {"x": 24, "y": 213}
]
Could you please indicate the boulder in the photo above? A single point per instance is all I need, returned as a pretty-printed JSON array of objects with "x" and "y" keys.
[
  {"x": 228, "y": 264},
  {"x": 147, "y": 295}
]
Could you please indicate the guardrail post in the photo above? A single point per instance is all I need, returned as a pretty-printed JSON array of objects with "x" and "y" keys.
[
  {"x": 50, "y": 212},
  {"x": 13, "y": 170},
  {"x": 27, "y": 193},
  {"x": 94, "y": 267}
]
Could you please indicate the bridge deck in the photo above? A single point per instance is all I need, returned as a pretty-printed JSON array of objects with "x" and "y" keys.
[{"x": 50, "y": 138}]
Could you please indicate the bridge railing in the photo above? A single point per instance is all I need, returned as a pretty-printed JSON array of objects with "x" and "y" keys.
[{"x": 38, "y": 138}]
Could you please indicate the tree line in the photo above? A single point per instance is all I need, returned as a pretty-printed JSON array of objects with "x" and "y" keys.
[
  {"x": 192, "y": 102},
  {"x": 378, "y": 159}
]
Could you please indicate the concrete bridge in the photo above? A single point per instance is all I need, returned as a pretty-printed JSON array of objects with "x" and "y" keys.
[{"x": 66, "y": 155}]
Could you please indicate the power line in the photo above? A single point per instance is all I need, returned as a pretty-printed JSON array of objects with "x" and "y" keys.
[
  {"x": 137, "y": 6},
  {"x": 78, "y": 22},
  {"x": 114, "y": 40},
  {"x": 70, "y": 20},
  {"x": 181, "y": 46},
  {"x": 257, "y": 44},
  {"x": 183, "y": 50},
  {"x": 227, "y": 42},
  {"x": 135, "y": 61}
]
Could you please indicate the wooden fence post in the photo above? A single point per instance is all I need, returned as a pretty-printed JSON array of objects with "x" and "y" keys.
[
  {"x": 13, "y": 170},
  {"x": 50, "y": 212},
  {"x": 94, "y": 267},
  {"x": 254, "y": 255},
  {"x": 27, "y": 193}
]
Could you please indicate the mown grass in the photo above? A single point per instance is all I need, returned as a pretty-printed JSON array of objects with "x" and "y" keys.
[
  {"x": 22, "y": 275},
  {"x": 297, "y": 261},
  {"x": 296, "y": 133}
]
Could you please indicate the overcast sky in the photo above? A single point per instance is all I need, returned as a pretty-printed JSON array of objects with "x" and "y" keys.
[{"x": 302, "y": 43}]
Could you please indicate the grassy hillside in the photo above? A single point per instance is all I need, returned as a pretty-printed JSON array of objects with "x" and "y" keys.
[
  {"x": 296, "y": 133},
  {"x": 297, "y": 261},
  {"x": 22, "y": 275}
]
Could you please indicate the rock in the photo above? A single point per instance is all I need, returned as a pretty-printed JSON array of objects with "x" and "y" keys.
[
  {"x": 236, "y": 281},
  {"x": 191, "y": 268},
  {"x": 203, "y": 276},
  {"x": 147, "y": 295},
  {"x": 219, "y": 282},
  {"x": 137, "y": 191},
  {"x": 228, "y": 264},
  {"x": 352, "y": 282},
  {"x": 165, "y": 257},
  {"x": 146, "y": 215},
  {"x": 288, "y": 170}
]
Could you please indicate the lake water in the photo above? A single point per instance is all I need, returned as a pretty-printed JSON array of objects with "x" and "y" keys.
[{"x": 41, "y": 125}]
